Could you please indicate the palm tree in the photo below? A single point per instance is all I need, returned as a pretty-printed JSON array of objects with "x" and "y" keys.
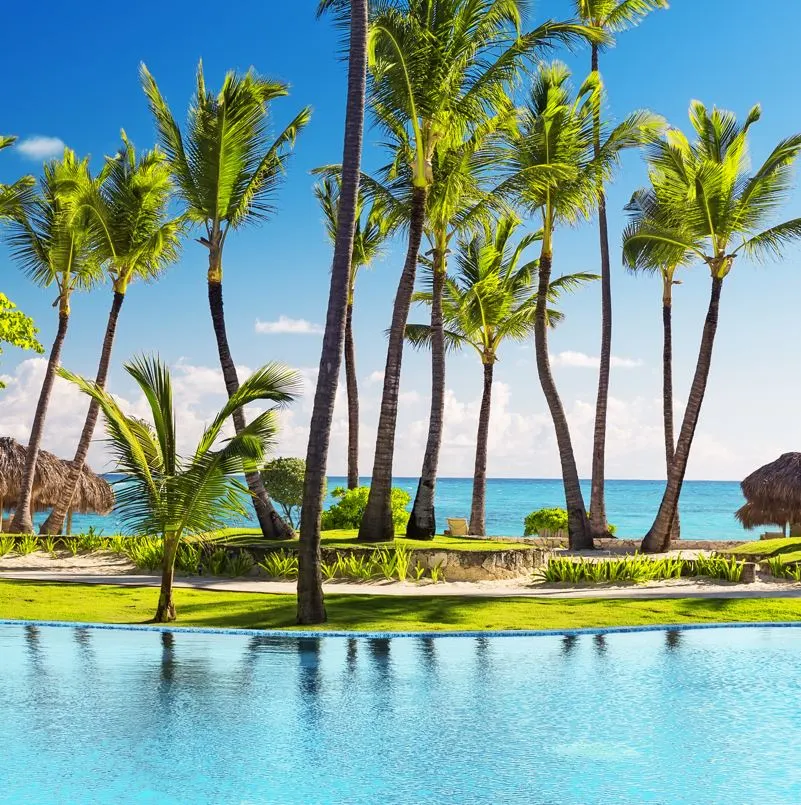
[
  {"x": 372, "y": 228},
  {"x": 666, "y": 264},
  {"x": 707, "y": 205},
  {"x": 13, "y": 196},
  {"x": 180, "y": 497},
  {"x": 311, "y": 608},
  {"x": 439, "y": 70},
  {"x": 135, "y": 239},
  {"x": 50, "y": 239},
  {"x": 555, "y": 172},
  {"x": 492, "y": 298},
  {"x": 612, "y": 17},
  {"x": 225, "y": 170}
]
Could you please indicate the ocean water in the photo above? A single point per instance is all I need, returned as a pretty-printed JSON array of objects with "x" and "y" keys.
[
  {"x": 101, "y": 717},
  {"x": 707, "y": 507}
]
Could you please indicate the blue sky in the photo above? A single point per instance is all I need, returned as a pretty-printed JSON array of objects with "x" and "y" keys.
[{"x": 83, "y": 94}]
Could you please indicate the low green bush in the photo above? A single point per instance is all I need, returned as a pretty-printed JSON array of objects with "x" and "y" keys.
[
  {"x": 550, "y": 520},
  {"x": 348, "y": 511},
  {"x": 636, "y": 569}
]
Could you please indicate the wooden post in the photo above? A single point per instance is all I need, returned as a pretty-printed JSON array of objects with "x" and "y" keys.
[{"x": 69, "y": 523}]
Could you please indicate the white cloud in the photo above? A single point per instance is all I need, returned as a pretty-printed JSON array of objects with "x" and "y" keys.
[
  {"x": 38, "y": 147},
  {"x": 580, "y": 360},
  {"x": 288, "y": 326},
  {"x": 375, "y": 377}
]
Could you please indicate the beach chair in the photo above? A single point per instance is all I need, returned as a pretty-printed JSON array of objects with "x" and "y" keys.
[{"x": 457, "y": 527}]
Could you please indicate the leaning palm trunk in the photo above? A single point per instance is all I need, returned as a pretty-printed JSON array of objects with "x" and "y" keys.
[
  {"x": 422, "y": 522},
  {"x": 165, "y": 611},
  {"x": 658, "y": 537},
  {"x": 22, "y": 523},
  {"x": 272, "y": 526},
  {"x": 353, "y": 397},
  {"x": 667, "y": 386},
  {"x": 598, "y": 525},
  {"x": 377, "y": 525},
  {"x": 478, "y": 517},
  {"x": 54, "y": 524},
  {"x": 577, "y": 523},
  {"x": 311, "y": 608}
]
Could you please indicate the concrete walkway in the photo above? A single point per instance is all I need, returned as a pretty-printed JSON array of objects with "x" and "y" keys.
[{"x": 689, "y": 589}]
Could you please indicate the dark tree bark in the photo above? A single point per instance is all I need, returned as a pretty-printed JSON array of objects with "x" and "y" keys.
[
  {"x": 422, "y": 522},
  {"x": 577, "y": 524},
  {"x": 165, "y": 611},
  {"x": 667, "y": 385},
  {"x": 478, "y": 519},
  {"x": 353, "y": 397},
  {"x": 22, "y": 523},
  {"x": 598, "y": 525},
  {"x": 272, "y": 526},
  {"x": 311, "y": 607},
  {"x": 377, "y": 525},
  {"x": 658, "y": 537},
  {"x": 54, "y": 524}
]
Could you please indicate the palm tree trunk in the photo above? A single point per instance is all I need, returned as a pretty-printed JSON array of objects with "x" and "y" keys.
[
  {"x": 478, "y": 519},
  {"x": 422, "y": 521},
  {"x": 667, "y": 386},
  {"x": 577, "y": 524},
  {"x": 598, "y": 525},
  {"x": 658, "y": 537},
  {"x": 54, "y": 524},
  {"x": 272, "y": 526},
  {"x": 22, "y": 523},
  {"x": 311, "y": 607},
  {"x": 165, "y": 612},
  {"x": 353, "y": 397},
  {"x": 377, "y": 525}
]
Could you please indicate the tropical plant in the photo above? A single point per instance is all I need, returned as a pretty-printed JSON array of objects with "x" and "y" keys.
[
  {"x": 17, "y": 329},
  {"x": 14, "y": 197},
  {"x": 665, "y": 265},
  {"x": 612, "y": 17},
  {"x": 491, "y": 298},
  {"x": 348, "y": 511},
  {"x": 172, "y": 496},
  {"x": 7, "y": 544},
  {"x": 544, "y": 519},
  {"x": 373, "y": 226},
  {"x": 50, "y": 239},
  {"x": 280, "y": 565},
  {"x": 226, "y": 169},
  {"x": 705, "y": 203},
  {"x": 135, "y": 239},
  {"x": 439, "y": 71},
  {"x": 283, "y": 480},
  {"x": 311, "y": 609},
  {"x": 554, "y": 172}
]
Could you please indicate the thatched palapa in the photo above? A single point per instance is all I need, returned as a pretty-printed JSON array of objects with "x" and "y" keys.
[
  {"x": 773, "y": 493},
  {"x": 93, "y": 494}
]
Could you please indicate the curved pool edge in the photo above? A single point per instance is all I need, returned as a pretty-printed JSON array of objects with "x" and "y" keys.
[{"x": 316, "y": 633}]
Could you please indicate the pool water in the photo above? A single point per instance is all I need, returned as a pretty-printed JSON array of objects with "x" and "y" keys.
[{"x": 110, "y": 716}]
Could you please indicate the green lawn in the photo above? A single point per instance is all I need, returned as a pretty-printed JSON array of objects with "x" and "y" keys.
[
  {"x": 346, "y": 538},
  {"x": 763, "y": 548},
  {"x": 127, "y": 605}
]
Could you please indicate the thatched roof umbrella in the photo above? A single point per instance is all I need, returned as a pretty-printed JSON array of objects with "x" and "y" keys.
[
  {"x": 50, "y": 474},
  {"x": 773, "y": 493},
  {"x": 92, "y": 494}
]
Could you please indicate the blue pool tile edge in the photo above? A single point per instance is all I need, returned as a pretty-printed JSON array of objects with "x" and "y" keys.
[{"x": 307, "y": 633}]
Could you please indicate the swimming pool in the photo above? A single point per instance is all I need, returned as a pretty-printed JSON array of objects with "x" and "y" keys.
[{"x": 110, "y": 716}]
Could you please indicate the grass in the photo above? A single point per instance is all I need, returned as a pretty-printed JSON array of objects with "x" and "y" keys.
[
  {"x": 346, "y": 538},
  {"x": 765, "y": 547},
  {"x": 131, "y": 605}
]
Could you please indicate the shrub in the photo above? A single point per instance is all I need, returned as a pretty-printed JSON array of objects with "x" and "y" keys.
[
  {"x": 283, "y": 480},
  {"x": 280, "y": 565},
  {"x": 347, "y": 512},
  {"x": 551, "y": 520},
  {"x": 542, "y": 519}
]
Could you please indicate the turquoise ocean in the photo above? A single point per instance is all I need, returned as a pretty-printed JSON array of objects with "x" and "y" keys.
[{"x": 707, "y": 507}]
